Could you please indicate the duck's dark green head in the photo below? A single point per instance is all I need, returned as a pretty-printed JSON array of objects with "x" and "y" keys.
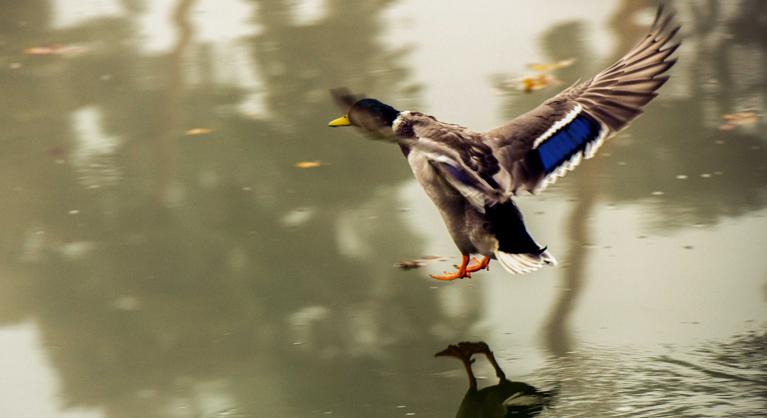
[{"x": 368, "y": 114}]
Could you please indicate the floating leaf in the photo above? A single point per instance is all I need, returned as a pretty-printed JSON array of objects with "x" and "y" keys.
[
  {"x": 733, "y": 120},
  {"x": 40, "y": 50},
  {"x": 528, "y": 83},
  {"x": 420, "y": 262},
  {"x": 199, "y": 131},
  {"x": 537, "y": 82},
  {"x": 547, "y": 68},
  {"x": 409, "y": 264},
  {"x": 308, "y": 164},
  {"x": 55, "y": 49},
  {"x": 741, "y": 117}
]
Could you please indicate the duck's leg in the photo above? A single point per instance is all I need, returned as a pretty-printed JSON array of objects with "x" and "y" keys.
[
  {"x": 479, "y": 265},
  {"x": 455, "y": 351},
  {"x": 460, "y": 274},
  {"x": 491, "y": 358}
]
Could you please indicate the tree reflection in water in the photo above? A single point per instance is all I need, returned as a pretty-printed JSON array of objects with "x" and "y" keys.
[
  {"x": 642, "y": 165},
  {"x": 172, "y": 275},
  {"x": 202, "y": 275}
]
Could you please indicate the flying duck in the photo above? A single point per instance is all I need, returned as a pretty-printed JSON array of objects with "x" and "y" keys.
[
  {"x": 502, "y": 400},
  {"x": 472, "y": 176}
]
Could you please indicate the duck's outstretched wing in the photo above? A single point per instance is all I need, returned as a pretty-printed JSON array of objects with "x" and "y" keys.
[{"x": 553, "y": 138}]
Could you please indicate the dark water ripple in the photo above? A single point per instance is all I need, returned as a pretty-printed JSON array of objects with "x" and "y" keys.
[{"x": 723, "y": 379}]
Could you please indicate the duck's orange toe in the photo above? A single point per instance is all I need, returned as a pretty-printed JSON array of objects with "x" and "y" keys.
[
  {"x": 460, "y": 274},
  {"x": 479, "y": 265}
]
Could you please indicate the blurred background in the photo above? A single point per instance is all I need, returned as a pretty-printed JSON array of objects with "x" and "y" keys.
[{"x": 182, "y": 235}]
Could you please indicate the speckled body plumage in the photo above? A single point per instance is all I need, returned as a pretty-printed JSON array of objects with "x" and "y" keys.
[{"x": 470, "y": 227}]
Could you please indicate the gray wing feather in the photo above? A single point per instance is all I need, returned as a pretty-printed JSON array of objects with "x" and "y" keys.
[
  {"x": 458, "y": 155},
  {"x": 614, "y": 97},
  {"x": 465, "y": 180}
]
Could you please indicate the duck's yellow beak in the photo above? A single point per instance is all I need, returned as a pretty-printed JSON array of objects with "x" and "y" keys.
[{"x": 342, "y": 121}]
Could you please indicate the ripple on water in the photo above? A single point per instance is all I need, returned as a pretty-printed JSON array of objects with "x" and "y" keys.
[{"x": 718, "y": 379}]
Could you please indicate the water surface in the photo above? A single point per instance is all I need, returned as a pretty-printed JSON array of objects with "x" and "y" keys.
[{"x": 162, "y": 255}]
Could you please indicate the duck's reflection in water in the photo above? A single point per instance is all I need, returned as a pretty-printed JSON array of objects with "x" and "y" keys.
[{"x": 504, "y": 399}]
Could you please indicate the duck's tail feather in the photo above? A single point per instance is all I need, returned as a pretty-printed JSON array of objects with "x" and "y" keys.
[{"x": 522, "y": 263}]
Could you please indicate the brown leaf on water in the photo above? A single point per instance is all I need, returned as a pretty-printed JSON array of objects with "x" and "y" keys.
[
  {"x": 419, "y": 262},
  {"x": 198, "y": 131},
  {"x": 308, "y": 164},
  {"x": 547, "y": 68},
  {"x": 57, "y": 151},
  {"x": 409, "y": 264}
]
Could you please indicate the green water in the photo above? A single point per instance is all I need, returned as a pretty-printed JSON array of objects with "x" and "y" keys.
[{"x": 149, "y": 272}]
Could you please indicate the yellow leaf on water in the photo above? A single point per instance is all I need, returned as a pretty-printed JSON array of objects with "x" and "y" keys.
[
  {"x": 733, "y": 120},
  {"x": 199, "y": 131},
  {"x": 308, "y": 164},
  {"x": 39, "y": 50},
  {"x": 741, "y": 118},
  {"x": 545, "y": 68},
  {"x": 55, "y": 49},
  {"x": 536, "y": 82},
  {"x": 539, "y": 79}
]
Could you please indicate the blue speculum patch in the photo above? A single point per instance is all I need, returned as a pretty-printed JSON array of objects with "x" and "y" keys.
[
  {"x": 570, "y": 139},
  {"x": 459, "y": 174}
]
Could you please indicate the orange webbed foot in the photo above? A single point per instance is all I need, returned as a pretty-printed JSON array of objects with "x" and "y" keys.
[
  {"x": 460, "y": 274},
  {"x": 478, "y": 265}
]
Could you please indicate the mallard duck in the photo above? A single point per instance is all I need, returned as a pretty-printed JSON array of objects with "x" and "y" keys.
[
  {"x": 472, "y": 176},
  {"x": 505, "y": 399}
]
